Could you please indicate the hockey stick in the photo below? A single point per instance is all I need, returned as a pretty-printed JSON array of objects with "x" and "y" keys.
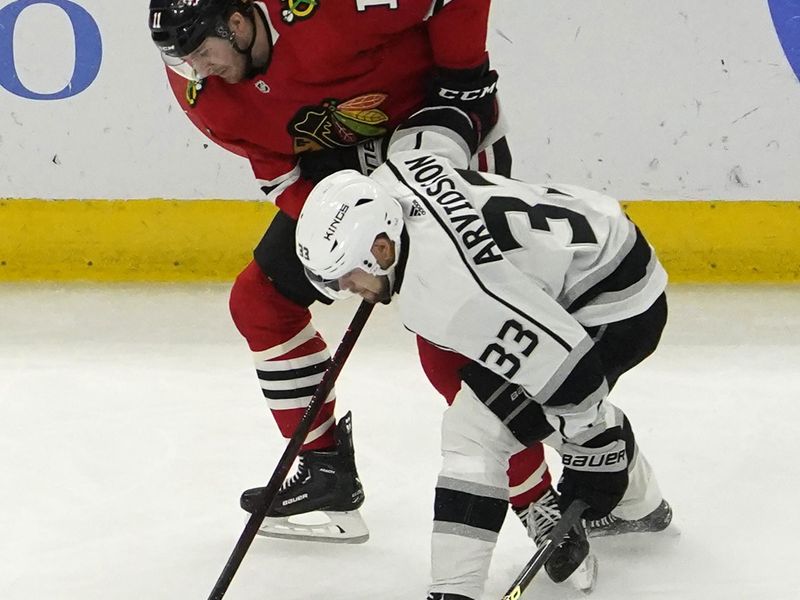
[
  {"x": 292, "y": 450},
  {"x": 568, "y": 519}
]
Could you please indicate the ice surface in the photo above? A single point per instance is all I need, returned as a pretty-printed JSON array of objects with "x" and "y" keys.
[{"x": 131, "y": 419}]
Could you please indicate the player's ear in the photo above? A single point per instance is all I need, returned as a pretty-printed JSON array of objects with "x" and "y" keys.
[
  {"x": 238, "y": 24},
  {"x": 383, "y": 250}
]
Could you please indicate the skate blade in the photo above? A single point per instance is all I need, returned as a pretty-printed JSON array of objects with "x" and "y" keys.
[
  {"x": 319, "y": 526},
  {"x": 671, "y": 531},
  {"x": 585, "y": 576}
]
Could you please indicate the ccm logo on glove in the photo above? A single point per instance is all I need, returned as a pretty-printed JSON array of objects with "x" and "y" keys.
[
  {"x": 612, "y": 457},
  {"x": 468, "y": 95}
]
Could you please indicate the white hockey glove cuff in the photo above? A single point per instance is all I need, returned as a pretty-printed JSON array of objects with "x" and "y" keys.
[
  {"x": 596, "y": 470},
  {"x": 364, "y": 158}
]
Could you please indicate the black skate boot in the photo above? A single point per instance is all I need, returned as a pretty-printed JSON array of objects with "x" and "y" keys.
[
  {"x": 441, "y": 596},
  {"x": 658, "y": 520},
  {"x": 326, "y": 484},
  {"x": 572, "y": 555}
]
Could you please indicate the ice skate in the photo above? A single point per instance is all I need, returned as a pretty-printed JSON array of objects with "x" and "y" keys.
[
  {"x": 320, "y": 501},
  {"x": 441, "y": 596},
  {"x": 658, "y": 520},
  {"x": 571, "y": 559}
]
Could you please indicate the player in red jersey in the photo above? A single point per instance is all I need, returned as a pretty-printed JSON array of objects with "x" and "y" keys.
[{"x": 303, "y": 88}]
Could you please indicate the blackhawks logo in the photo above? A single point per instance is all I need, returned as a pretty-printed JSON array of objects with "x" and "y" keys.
[
  {"x": 335, "y": 124},
  {"x": 298, "y": 10}
]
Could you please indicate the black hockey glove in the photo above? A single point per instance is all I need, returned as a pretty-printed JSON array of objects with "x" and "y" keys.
[
  {"x": 597, "y": 475},
  {"x": 471, "y": 90},
  {"x": 364, "y": 158}
]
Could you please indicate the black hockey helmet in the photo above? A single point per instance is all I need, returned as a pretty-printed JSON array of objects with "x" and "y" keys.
[{"x": 178, "y": 27}]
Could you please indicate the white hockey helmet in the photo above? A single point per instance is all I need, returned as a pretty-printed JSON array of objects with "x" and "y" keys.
[{"x": 340, "y": 220}]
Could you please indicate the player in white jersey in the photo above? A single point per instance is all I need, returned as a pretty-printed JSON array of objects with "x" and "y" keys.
[{"x": 549, "y": 290}]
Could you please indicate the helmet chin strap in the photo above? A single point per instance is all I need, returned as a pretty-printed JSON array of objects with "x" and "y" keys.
[
  {"x": 391, "y": 270},
  {"x": 250, "y": 70}
]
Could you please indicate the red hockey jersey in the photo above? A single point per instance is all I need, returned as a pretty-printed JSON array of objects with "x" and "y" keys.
[{"x": 341, "y": 72}]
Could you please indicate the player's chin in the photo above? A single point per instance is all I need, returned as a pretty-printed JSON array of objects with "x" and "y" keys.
[
  {"x": 232, "y": 75},
  {"x": 372, "y": 297}
]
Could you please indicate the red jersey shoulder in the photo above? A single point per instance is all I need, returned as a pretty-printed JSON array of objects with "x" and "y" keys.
[
  {"x": 293, "y": 12},
  {"x": 355, "y": 68},
  {"x": 337, "y": 77}
]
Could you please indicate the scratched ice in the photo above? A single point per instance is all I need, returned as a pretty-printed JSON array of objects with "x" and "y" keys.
[{"x": 131, "y": 420}]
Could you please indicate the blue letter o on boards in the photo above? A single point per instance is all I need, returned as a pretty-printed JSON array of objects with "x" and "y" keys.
[
  {"x": 88, "y": 49},
  {"x": 786, "y": 16}
]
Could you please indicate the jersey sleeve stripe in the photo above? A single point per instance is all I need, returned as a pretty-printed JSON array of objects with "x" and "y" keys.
[
  {"x": 274, "y": 187},
  {"x": 630, "y": 268},
  {"x": 628, "y": 291},
  {"x": 582, "y": 289},
  {"x": 436, "y": 6},
  {"x": 567, "y": 368},
  {"x": 623, "y": 304},
  {"x": 585, "y": 384},
  {"x": 474, "y": 178}
]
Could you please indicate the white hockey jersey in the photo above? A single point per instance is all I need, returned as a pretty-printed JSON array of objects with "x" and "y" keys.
[{"x": 509, "y": 273}]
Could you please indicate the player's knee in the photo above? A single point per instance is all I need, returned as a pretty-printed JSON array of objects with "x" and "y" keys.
[
  {"x": 472, "y": 435},
  {"x": 249, "y": 285},
  {"x": 262, "y": 314}
]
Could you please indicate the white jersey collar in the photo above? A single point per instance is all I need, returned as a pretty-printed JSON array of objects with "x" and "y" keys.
[{"x": 272, "y": 31}]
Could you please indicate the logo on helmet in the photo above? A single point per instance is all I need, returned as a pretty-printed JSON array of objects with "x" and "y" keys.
[
  {"x": 337, "y": 218},
  {"x": 298, "y": 10}
]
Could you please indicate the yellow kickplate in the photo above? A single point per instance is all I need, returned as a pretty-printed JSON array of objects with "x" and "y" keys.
[
  {"x": 723, "y": 241},
  {"x": 212, "y": 240},
  {"x": 128, "y": 240}
]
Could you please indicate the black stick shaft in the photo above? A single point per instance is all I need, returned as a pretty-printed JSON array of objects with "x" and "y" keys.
[
  {"x": 535, "y": 564},
  {"x": 292, "y": 450}
]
